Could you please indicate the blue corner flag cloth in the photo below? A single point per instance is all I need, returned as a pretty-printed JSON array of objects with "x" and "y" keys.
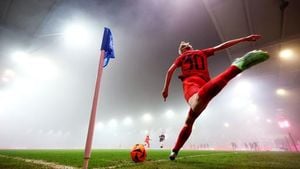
[{"x": 107, "y": 46}]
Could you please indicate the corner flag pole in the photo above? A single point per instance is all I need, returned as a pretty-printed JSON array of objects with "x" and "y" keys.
[
  {"x": 107, "y": 52},
  {"x": 89, "y": 140}
]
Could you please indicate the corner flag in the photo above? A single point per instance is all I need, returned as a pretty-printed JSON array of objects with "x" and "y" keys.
[
  {"x": 107, "y": 46},
  {"x": 107, "y": 52}
]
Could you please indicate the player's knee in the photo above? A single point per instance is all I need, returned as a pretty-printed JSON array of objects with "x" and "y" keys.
[{"x": 194, "y": 101}]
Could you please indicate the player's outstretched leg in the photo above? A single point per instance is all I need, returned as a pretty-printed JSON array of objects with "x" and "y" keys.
[
  {"x": 199, "y": 101},
  {"x": 251, "y": 58}
]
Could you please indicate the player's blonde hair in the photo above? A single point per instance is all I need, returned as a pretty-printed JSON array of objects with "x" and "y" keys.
[{"x": 183, "y": 45}]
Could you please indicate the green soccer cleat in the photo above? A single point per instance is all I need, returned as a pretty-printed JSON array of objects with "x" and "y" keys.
[{"x": 251, "y": 58}]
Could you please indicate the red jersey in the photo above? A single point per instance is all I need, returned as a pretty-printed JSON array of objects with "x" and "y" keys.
[
  {"x": 147, "y": 139},
  {"x": 194, "y": 63}
]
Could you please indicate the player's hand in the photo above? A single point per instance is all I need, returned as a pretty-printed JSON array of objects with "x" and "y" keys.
[
  {"x": 253, "y": 37},
  {"x": 165, "y": 94}
]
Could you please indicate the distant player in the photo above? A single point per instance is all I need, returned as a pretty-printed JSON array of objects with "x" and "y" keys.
[
  {"x": 147, "y": 141},
  {"x": 198, "y": 88},
  {"x": 161, "y": 140}
]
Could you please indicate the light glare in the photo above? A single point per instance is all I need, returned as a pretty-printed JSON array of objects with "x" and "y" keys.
[
  {"x": 40, "y": 68},
  {"x": 76, "y": 35},
  {"x": 43, "y": 69},
  {"x": 99, "y": 126},
  {"x": 20, "y": 57},
  {"x": 281, "y": 92},
  {"x": 147, "y": 117},
  {"x": 226, "y": 125},
  {"x": 170, "y": 114},
  {"x": 286, "y": 54},
  {"x": 269, "y": 120},
  {"x": 284, "y": 124},
  {"x": 113, "y": 123}
]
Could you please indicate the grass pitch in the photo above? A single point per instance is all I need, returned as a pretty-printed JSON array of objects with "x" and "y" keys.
[{"x": 156, "y": 159}]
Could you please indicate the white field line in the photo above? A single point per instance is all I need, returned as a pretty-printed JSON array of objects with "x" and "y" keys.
[
  {"x": 163, "y": 160},
  {"x": 41, "y": 162}
]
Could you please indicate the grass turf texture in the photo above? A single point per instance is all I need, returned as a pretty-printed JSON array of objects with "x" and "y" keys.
[{"x": 155, "y": 159}]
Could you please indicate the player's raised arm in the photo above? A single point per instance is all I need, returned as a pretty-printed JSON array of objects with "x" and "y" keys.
[
  {"x": 235, "y": 41},
  {"x": 167, "y": 81}
]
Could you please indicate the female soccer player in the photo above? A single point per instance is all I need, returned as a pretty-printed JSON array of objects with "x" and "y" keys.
[
  {"x": 198, "y": 88},
  {"x": 147, "y": 141},
  {"x": 162, "y": 139}
]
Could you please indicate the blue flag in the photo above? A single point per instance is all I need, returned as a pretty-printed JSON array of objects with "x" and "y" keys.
[{"x": 107, "y": 46}]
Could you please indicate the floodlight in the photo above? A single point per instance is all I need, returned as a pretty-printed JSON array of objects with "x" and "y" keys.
[
  {"x": 9, "y": 73},
  {"x": 284, "y": 124},
  {"x": 99, "y": 126},
  {"x": 39, "y": 68},
  {"x": 76, "y": 35},
  {"x": 20, "y": 56},
  {"x": 147, "y": 117},
  {"x": 281, "y": 92},
  {"x": 286, "y": 54},
  {"x": 113, "y": 123},
  {"x": 226, "y": 124},
  {"x": 170, "y": 114}
]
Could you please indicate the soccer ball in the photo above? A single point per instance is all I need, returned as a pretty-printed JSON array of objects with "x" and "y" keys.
[{"x": 138, "y": 153}]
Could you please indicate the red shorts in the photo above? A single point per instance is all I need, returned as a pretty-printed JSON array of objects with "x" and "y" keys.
[{"x": 192, "y": 85}]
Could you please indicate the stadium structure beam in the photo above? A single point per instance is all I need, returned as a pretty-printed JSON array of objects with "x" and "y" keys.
[
  {"x": 217, "y": 27},
  {"x": 6, "y": 9},
  {"x": 249, "y": 20}
]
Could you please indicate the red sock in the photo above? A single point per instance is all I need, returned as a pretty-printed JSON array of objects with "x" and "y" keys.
[
  {"x": 214, "y": 86},
  {"x": 185, "y": 132}
]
